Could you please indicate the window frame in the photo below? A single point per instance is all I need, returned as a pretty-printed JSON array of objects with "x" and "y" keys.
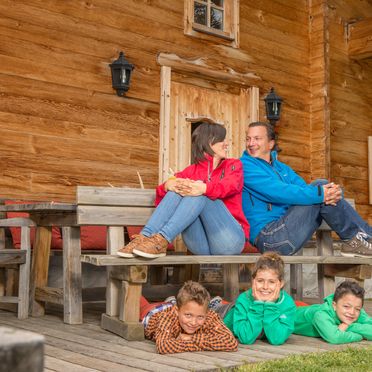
[{"x": 230, "y": 34}]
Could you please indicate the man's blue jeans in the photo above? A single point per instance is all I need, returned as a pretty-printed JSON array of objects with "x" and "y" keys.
[
  {"x": 288, "y": 234},
  {"x": 207, "y": 226}
]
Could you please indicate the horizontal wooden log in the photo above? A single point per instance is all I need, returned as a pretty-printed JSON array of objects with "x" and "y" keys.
[
  {"x": 113, "y": 216},
  {"x": 16, "y": 222},
  {"x": 49, "y": 294},
  {"x": 201, "y": 66},
  {"x": 12, "y": 257},
  {"x": 115, "y": 196},
  {"x": 131, "y": 274},
  {"x": 171, "y": 260},
  {"x": 360, "y": 40},
  {"x": 131, "y": 331},
  {"x": 359, "y": 272},
  {"x": 9, "y": 299}
]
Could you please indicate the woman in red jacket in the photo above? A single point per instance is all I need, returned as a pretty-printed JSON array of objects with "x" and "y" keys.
[{"x": 203, "y": 202}]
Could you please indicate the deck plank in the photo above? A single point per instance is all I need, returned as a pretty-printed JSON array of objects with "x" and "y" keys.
[
  {"x": 58, "y": 365},
  {"x": 87, "y": 347}
]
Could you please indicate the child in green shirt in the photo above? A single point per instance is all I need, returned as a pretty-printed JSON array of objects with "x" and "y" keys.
[
  {"x": 340, "y": 319},
  {"x": 265, "y": 310}
]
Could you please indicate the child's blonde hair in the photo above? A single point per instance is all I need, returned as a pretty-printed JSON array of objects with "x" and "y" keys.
[
  {"x": 270, "y": 261},
  {"x": 193, "y": 291}
]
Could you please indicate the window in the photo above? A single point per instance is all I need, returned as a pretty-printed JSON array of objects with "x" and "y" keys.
[
  {"x": 218, "y": 18},
  {"x": 209, "y": 13}
]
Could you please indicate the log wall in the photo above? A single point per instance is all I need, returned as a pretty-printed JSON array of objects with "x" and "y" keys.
[
  {"x": 350, "y": 100},
  {"x": 61, "y": 123}
]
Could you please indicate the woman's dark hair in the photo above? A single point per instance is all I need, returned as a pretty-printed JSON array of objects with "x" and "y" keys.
[
  {"x": 346, "y": 287},
  {"x": 205, "y": 135},
  {"x": 269, "y": 261},
  {"x": 270, "y": 132}
]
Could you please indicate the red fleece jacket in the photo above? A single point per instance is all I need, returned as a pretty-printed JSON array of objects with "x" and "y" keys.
[{"x": 224, "y": 183}]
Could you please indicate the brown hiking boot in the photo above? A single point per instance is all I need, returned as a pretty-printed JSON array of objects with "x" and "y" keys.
[
  {"x": 358, "y": 246},
  {"x": 155, "y": 246},
  {"x": 127, "y": 251}
]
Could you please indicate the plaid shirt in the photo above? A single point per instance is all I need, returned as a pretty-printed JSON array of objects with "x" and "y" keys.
[{"x": 164, "y": 328}]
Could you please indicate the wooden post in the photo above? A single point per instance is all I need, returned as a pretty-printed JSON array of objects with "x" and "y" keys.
[
  {"x": 127, "y": 325},
  {"x": 72, "y": 282},
  {"x": 40, "y": 267},
  {"x": 24, "y": 275},
  {"x": 231, "y": 281},
  {"x": 296, "y": 279},
  {"x": 115, "y": 241},
  {"x": 326, "y": 284}
]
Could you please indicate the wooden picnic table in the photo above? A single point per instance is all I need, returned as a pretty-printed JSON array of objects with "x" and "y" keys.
[{"x": 46, "y": 215}]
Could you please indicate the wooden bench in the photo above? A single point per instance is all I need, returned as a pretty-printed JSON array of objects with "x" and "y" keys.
[
  {"x": 21, "y": 260},
  {"x": 119, "y": 207}
]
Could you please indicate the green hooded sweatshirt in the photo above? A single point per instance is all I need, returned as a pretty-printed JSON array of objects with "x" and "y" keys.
[
  {"x": 321, "y": 320},
  {"x": 248, "y": 319}
]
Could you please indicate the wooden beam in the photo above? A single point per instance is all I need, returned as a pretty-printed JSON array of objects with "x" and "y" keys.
[
  {"x": 206, "y": 67},
  {"x": 360, "y": 39},
  {"x": 370, "y": 168}
]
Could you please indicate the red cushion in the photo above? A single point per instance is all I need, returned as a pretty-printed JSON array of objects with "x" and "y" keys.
[
  {"x": 135, "y": 230},
  {"x": 301, "y": 303},
  {"x": 249, "y": 248},
  {"x": 93, "y": 237},
  {"x": 16, "y": 231}
]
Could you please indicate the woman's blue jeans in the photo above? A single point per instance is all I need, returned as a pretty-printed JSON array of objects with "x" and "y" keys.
[
  {"x": 207, "y": 226},
  {"x": 288, "y": 234}
]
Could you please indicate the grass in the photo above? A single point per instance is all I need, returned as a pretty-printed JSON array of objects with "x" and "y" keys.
[{"x": 350, "y": 359}]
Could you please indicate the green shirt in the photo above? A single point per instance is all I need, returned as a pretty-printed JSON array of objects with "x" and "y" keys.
[
  {"x": 320, "y": 320},
  {"x": 248, "y": 319}
]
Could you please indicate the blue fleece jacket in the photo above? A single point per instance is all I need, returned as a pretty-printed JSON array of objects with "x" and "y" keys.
[{"x": 270, "y": 189}]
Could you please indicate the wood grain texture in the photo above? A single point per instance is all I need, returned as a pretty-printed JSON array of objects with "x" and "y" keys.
[{"x": 61, "y": 124}]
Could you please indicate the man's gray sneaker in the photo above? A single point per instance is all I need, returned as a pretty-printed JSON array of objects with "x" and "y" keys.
[{"x": 358, "y": 246}]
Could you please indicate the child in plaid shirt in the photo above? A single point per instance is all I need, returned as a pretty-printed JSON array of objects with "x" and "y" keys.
[{"x": 187, "y": 325}]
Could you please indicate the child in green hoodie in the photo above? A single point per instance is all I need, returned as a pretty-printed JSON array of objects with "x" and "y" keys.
[
  {"x": 340, "y": 319},
  {"x": 265, "y": 310}
]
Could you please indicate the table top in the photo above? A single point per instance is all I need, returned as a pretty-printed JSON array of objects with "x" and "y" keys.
[{"x": 51, "y": 207}]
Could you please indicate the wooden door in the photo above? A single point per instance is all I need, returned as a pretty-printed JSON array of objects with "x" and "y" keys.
[{"x": 234, "y": 110}]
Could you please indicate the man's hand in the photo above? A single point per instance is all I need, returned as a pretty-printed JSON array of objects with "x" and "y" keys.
[{"x": 332, "y": 193}]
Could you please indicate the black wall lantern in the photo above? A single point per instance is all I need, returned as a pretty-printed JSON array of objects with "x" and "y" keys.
[
  {"x": 121, "y": 71},
  {"x": 273, "y": 105}
]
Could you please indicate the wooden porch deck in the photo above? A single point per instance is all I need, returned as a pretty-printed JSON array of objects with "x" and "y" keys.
[{"x": 82, "y": 348}]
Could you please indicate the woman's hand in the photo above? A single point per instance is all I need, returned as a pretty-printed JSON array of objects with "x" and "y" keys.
[
  {"x": 193, "y": 188},
  {"x": 178, "y": 185},
  {"x": 276, "y": 293}
]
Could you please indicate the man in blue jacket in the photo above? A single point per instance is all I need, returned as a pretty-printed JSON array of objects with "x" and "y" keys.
[{"x": 284, "y": 211}]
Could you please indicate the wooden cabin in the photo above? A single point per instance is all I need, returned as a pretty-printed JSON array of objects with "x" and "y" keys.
[{"x": 62, "y": 124}]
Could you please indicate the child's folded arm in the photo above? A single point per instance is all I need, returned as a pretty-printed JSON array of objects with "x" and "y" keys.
[
  {"x": 329, "y": 331},
  {"x": 365, "y": 330},
  {"x": 247, "y": 323},
  {"x": 278, "y": 322},
  {"x": 166, "y": 343},
  {"x": 215, "y": 337}
]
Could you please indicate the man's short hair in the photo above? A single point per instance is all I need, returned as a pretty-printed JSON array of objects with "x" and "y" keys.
[
  {"x": 348, "y": 287},
  {"x": 270, "y": 130},
  {"x": 193, "y": 291}
]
